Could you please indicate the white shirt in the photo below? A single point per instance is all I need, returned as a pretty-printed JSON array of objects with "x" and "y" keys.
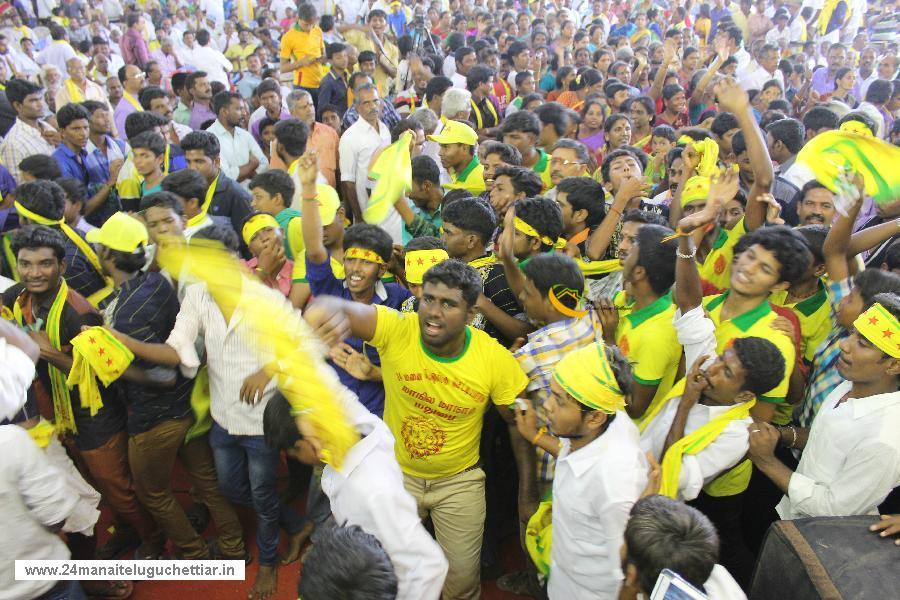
[
  {"x": 357, "y": 146},
  {"x": 781, "y": 37},
  {"x": 721, "y": 454},
  {"x": 57, "y": 53},
  {"x": 459, "y": 81},
  {"x": 214, "y": 63},
  {"x": 33, "y": 497},
  {"x": 863, "y": 83},
  {"x": 593, "y": 491},
  {"x": 231, "y": 354},
  {"x": 852, "y": 458},
  {"x": 369, "y": 492},
  {"x": 236, "y": 149},
  {"x": 15, "y": 378},
  {"x": 757, "y": 77},
  {"x": 722, "y": 586},
  {"x": 743, "y": 59}
]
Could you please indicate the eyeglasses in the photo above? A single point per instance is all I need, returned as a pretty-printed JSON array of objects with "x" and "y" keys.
[{"x": 564, "y": 162}]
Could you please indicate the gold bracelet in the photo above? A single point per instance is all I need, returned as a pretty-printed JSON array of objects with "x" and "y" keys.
[{"x": 539, "y": 435}]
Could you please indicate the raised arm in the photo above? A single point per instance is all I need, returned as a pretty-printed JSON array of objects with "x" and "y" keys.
[
  {"x": 602, "y": 236},
  {"x": 514, "y": 276},
  {"x": 721, "y": 57},
  {"x": 734, "y": 99},
  {"x": 311, "y": 222},
  {"x": 668, "y": 58},
  {"x": 334, "y": 319},
  {"x": 838, "y": 240}
]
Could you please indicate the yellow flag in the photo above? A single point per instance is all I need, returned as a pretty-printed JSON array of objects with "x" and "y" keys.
[{"x": 392, "y": 172}]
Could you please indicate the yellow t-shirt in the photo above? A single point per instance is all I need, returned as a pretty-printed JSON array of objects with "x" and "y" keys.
[
  {"x": 542, "y": 168},
  {"x": 471, "y": 178},
  {"x": 434, "y": 405},
  {"x": 238, "y": 55},
  {"x": 297, "y": 44},
  {"x": 648, "y": 339},
  {"x": 814, "y": 314},
  {"x": 362, "y": 41},
  {"x": 716, "y": 269},
  {"x": 755, "y": 323}
]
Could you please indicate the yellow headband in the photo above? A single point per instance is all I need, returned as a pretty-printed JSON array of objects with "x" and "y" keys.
[
  {"x": 564, "y": 292},
  {"x": 586, "y": 376},
  {"x": 856, "y": 127},
  {"x": 529, "y": 230},
  {"x": 363, "y": 254},
  {"x": 695, "y": 189},
  {"x": 419, "y": 261},
  {"x": 34, "y": 216},
  {"x": 257, "y": 223},
  {"x": 881, "y": 328}
]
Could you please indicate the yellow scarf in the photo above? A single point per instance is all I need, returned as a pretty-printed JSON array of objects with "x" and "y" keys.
[
  {"x": 210, "y": 192},
  {"x": 82, "y": 245},
  {"x": 131, "y": 100},
  {"x": 62, "y": 401},
  {"x": 96, "y": 354},
  {"x": 479, "y": 124},
  {"x": 75, "y": 93}
]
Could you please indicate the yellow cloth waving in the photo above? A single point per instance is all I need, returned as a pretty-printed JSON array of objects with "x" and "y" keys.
[
  {"x": 96, "y": 355},
  {"x": 393, "y": 174}
]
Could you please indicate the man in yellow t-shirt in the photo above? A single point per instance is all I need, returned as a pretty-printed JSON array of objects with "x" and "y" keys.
[
  {"x": 644, "y": 331},
  {"x": 303, "y": 50},
  {"x": 372, "y": 38},
  {"x": 440, "y": 377},
  {"x": 238, "y": 53},
  {"x": 458, "y": 142}
]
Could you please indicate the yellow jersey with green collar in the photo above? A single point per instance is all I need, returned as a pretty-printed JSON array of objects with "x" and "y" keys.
[
  {"x": 716, "y": 268},
  {"x": 756, "y": 322},
  {"x": 814, "y": 314},
  {"x": 648, "y": 339},
  {"x": 542, "y": 168},
  {"x": 471, "y": 178}
]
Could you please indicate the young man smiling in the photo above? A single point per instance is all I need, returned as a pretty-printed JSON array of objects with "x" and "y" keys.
[{"x": 440, "y": 377}]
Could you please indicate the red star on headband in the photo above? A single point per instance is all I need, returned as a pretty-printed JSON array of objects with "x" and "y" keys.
[
  {"x": 887, "y": 333},
  {"x": 873, "y": 320},
  {"x": 101, "y": 351},
  {"x": 92, "y": 340},
  {"x": 109, "y": 362},
  {"x": 419, "y": 261},
  {"x": 433, "y": 260}
]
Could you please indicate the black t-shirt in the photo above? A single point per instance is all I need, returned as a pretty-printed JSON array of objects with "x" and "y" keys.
[{"x": 93, "y": 431}]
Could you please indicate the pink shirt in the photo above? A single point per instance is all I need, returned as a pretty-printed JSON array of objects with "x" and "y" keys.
[{"x": 282, "y": 281}]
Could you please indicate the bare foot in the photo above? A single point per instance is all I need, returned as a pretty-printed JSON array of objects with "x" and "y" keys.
[
  {"x": 265, "y": 584},
  {"x": 295, "y": 543}
]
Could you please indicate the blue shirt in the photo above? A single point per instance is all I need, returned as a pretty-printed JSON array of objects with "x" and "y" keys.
[
  {"x": 322, "y": 282},
  {"x": 89, "y": 171}
]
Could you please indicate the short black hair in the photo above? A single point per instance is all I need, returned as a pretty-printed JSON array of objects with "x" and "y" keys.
[
  {"x": 332, "y": 49},
  {"x": 614, "y": 118},
  {"x": 93, "y": 106},
  {"x": 42, "y": 197},
  {"x": 307, "y": 12},
  {"x": 403, "y": 125},
  {"x": 267, "y": 85},
  {"x": 149, "y": 94},
  {"x": 222, "y": 100},
  {"x": 871, "y": 282},
  {"x": 279, "y": 427},
  {"x": 458, "y": 275},
  {"x": 139, "y": 122},
  {"x": 555, "y": 115},
  {"x": 436, "y": 86},
  {"x": 179, "y": 79},
  {"x": 293, "y": 135},
  {"x": 657, "y": 257},
  {"x": 70, "y": 113},
  {"x": 762, "y": 361},
  {"x": 39, "y": 236},
  {"x": 348, "y": 563},
  {"x": 477, "y": 75},
  {"x": 219, "y": 233},
  {"x": 201, "y": 140},
  {"x": 19, "y": 89},
  {"x": 369, "y": 237},
  {"x": 523, "y": 180},
  {"x": 880, "y": 91},
  {"x": 583, "y": 193},
  {"x": 723, "y": 123},
  {"x": 186, "y": 183},
  {"x": 645, "y": 217},
  {"x": 149, "y": 140},
  {"x": 162, "y": 200},
  {"x": 508, "y": 153},
  {"x": 472, "y": 216},
  {"x": 129, "y": 262},
  {"x": 73, "y": 188},
  {"x": 522, "y": 120},
  {"x": 664, "y": 131},
  {"x": 819, "y": 118},
  {"x": 551, "y": 269},
  {"x": 789, "y": 132},
  {"x": 786, "y": 244},
  {"x": 426, "y": 242},
  {"x": 892, "y": 256},
  {"x": 543, "y": 214},
  {"x": 738, "y": 143},
  {"x": 202, "y": 37},
  {"x": 274, "y": 182},
  {"x": 41, "y": 166},
  {"x": 425, "y": 169},
  {"x": 192, "y": 78},
  {"x": 814, "y": 236},
  {"x": 639, "y": 155}
]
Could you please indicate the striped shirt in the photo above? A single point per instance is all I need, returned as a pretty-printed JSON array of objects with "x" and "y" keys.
[
  {"x": 22, "y": 141},
  {"x": 538, "y": 357},
  {"x": 824, "y": 376}
]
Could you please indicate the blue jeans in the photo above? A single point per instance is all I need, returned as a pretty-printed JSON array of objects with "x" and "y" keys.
[
  {"x": 246, "y": 470},
  {"x": 64, "y": 590}
]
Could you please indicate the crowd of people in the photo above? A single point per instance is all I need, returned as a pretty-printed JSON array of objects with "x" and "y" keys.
[{"x": 620, "y": 320}]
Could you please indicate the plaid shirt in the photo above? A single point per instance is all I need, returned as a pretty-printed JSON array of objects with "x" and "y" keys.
[
  {"x": 538, "y": 357},
  {"x": 824, "y": 376}
]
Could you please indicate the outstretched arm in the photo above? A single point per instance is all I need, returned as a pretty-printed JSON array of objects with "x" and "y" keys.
[{"x": 334, "y": 319}]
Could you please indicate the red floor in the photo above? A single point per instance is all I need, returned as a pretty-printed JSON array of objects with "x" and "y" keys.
[{"x": 288, "y": 576}]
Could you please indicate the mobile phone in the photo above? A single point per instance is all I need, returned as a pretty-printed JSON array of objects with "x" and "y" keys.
[{"x": 671, "y": 586}]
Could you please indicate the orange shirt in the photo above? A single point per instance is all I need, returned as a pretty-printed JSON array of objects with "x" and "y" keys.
[
  {"x": 297, "y": 44},
  {"x": 324, "y": 140}
]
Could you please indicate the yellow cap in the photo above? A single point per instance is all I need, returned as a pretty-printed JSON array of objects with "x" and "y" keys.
[
  {"x": 695, "y": 189},
  {"x": 120, "y": 232},
  {"x": 455, "y": 132},
  {"x": 257, "y": 223},
  {"x": 329, "y": 203}
]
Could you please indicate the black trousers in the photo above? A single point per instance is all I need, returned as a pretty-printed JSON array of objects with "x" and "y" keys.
[{"x": 725, "y": 513}]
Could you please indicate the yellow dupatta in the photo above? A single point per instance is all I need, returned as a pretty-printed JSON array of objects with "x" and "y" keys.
[
  {"x": 132, "y": 101},
  {"x": 210, "y": 192},
  {"x": 75, "y": 93}
]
